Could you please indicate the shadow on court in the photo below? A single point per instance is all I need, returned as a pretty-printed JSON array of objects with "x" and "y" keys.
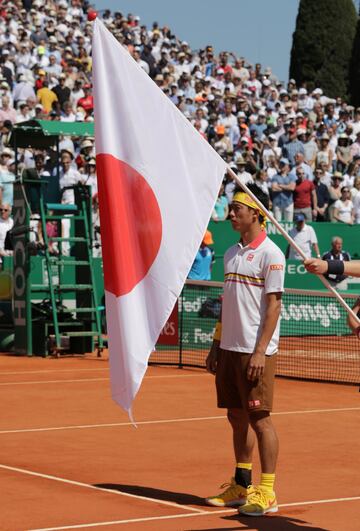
[
  {"x": 275, "y": 522},
  {"x": 165, "y": 495}
]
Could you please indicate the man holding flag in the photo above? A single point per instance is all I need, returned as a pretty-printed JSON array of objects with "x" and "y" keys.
[{"x": 243, "y": 354}]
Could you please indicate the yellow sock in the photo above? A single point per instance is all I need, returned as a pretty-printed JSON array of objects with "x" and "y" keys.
[
  {"x": 247, "y": 466},
  {"x": 267, "y": 482}
]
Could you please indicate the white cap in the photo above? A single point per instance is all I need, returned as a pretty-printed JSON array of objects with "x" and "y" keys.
[{"x": 302, "y": 91}]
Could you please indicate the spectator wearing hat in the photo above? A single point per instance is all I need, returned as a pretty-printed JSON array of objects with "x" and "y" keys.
[
  {"x": 343, "y": 152},
  {"x": 90, "y": 178},
  {"x": 41, "y": 58},
  {"x": 222, "y": 142},
  {"x": 344, "y": 207},
  {"x": 282, "y": 188},
  {"x": 325, "y": 153},
  {"x": 201, "y": 268},
  {"x": 38, "y": 35},
  {"x": 305, "y": 199},
  {"x": 305, "y": 238},
  {"x": 244, "y": 176},
  {"x": 292, "y": 147},
  {"x": 86, "y": 153},
  {"x": 334, "y": 192}
]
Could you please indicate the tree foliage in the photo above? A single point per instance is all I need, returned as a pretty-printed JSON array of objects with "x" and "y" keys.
[
  {"x": 354, "y": 78},
  {"x": 322, "y": 45}
]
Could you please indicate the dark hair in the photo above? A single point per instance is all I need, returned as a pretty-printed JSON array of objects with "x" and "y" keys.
[{"x": 258, "y": 193}]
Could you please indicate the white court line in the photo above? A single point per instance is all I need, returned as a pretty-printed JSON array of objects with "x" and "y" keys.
[
  {"x": 168, "y": 421},
  {"x": 153, "y": 377},
  {"x": 187, "y": 515},
  {"x": 44, "y": 371},
  {"x": 93, "y": 487}
]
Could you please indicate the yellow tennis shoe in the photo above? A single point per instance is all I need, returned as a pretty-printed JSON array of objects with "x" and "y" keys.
[
  {"x": 260, "y": 503},
  {"x": 232, "y": 496}
]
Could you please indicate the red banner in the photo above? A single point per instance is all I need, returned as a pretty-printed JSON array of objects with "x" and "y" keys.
[{"x": 170, "y": 333}]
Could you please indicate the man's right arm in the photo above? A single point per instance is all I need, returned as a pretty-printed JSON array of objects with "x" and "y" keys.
[
  {"x": 320, "y": 267},
  {"x": 212, "y": 357}
]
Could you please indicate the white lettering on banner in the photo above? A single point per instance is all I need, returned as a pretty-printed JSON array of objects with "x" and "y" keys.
[
  {"x": 271, "y": 229},
  {"x": 191, "y": 306},
  {"x": 202, "y": 337},
  {"x": 294, "y": 269},
  {"x": 323, "y": 313},
  {"x": 169, "y": 329}
]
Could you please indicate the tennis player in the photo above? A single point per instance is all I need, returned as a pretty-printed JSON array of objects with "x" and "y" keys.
[
  {"x": 243, "y": 354},
  {"x": 338, "y": 267}
]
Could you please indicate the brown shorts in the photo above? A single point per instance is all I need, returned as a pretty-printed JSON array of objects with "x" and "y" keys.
[{"x": 233, "y": 388}]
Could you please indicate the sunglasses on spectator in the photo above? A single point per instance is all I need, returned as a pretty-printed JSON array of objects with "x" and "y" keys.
[
  {"x": 4, "y": 210},
  {"x": 345, "y": 190}
]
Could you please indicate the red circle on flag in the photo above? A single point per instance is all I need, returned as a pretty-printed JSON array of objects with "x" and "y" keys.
[{"x": 131, "y": 226}]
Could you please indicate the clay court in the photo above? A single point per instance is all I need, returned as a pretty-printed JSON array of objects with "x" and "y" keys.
[{"x": 70, "y": 459}]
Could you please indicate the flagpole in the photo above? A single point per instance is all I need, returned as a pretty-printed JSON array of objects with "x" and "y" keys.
[{"x": 291, "y": 242}]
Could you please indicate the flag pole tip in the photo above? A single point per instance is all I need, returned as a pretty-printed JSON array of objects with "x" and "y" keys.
[{"x": 91, "y": 16}]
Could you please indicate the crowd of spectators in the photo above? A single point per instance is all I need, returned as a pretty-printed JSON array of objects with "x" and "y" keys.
[{"x": 300, "y": 146}]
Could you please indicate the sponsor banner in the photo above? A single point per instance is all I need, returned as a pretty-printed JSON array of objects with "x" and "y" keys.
[{"x": 170, "y": 333}]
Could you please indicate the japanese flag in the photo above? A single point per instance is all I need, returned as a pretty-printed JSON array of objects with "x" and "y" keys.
[{"x": 158, "y": 181}]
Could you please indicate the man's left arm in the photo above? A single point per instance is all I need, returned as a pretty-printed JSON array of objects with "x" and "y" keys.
[{"x": 257, "y": 361}]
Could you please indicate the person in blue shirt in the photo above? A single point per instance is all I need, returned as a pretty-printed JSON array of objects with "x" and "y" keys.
[
  {"x": 282, "y": 188},
  {"x": 201, "y": 268},
  {"x": 221, "y": 208}
]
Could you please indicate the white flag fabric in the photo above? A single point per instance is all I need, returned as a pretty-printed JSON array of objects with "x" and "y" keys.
[{"x": 158, "y": 181}]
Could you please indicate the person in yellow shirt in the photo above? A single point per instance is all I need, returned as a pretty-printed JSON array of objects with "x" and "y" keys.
[{"x": 46, "y": 97}]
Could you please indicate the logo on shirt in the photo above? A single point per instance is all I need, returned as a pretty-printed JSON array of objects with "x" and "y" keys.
[
  {"x": 276, "y": 267},
  {"x": 254, "y": 403},
  {"x": 250, "y": 257}
]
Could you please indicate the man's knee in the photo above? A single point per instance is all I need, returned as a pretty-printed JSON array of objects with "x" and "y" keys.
[
  {"x": 238, "y": 418},
  {"x": 260, "y": 421}
]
